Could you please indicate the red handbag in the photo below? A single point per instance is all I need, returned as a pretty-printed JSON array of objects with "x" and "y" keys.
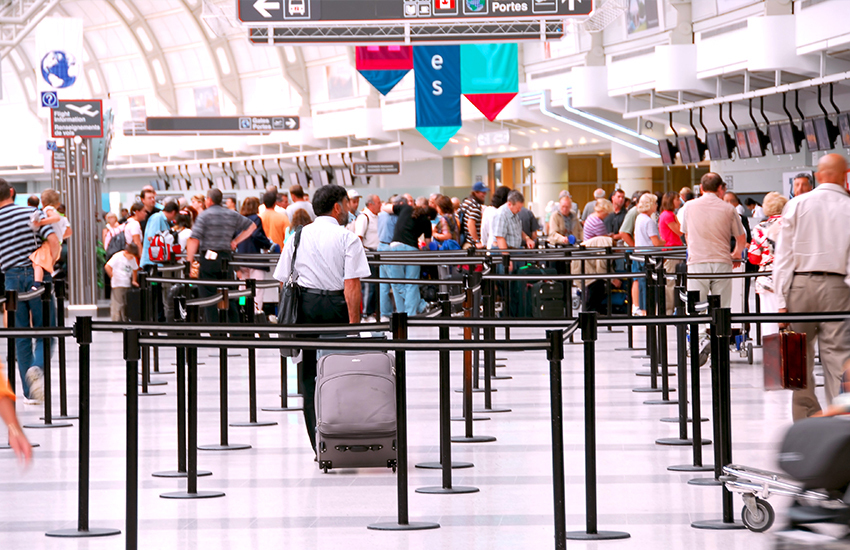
[{"x": 785, "y": 361}]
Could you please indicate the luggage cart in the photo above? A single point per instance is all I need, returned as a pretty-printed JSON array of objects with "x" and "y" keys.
[{"x": 756, "y": 486}]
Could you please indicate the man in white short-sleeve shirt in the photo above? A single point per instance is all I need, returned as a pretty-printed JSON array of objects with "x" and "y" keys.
[
  {"x": 133, "y": 227},
  {"x": 366, "y": 227},
  {"x": 329, "y": 263}
]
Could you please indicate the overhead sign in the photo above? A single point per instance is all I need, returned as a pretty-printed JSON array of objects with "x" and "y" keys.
[
  {"x": 77, "y": 117},
  {"x": 293, "y": 11},
  {"x": 500, "y": 137},
  {"x": 59, "y": 159},
  {"x": 221, "y": 125},
  {"x": 375, "y": 168}
]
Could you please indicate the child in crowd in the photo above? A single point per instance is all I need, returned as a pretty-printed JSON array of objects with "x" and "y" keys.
[
  {"x": 123, "y": 269},
  {"x": 42, "y": 259}
]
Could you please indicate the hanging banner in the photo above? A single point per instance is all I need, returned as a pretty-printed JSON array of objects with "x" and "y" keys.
[
  {"x": 489, "y": 76},
  {"x": 384, "y": 66},
  {"x": 437, "y": 92},
  {"x": 59, "y": 53}
]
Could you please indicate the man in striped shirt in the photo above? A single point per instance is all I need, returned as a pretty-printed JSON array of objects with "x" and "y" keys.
[
  {"x": 472, "y": 208},
  {"x": 18, "y": 243}
]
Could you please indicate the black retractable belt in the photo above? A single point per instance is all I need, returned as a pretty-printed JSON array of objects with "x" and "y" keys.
[{"x": 59, "y": 291}]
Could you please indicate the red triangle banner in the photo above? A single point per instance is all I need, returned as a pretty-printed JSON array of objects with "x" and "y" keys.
[{"x": 490, "y": 105}]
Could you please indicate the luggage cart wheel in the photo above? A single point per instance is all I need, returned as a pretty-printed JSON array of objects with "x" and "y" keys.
[
  {"x": 760, "y": 520},
  {"x": 750, "y": 353}
]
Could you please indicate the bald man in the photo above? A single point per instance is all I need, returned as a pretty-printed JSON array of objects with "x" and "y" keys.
[{"x": 810, "y": 271}]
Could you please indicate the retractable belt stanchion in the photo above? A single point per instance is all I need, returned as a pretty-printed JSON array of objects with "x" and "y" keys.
[
  {"x": 468, "y": 436},
  {"x": 83, "y": 333},
  {"x": 588, "y": 326},
  {"x": 722, "y": 333},
  {"x": 696, "y": 407},
  {"x": 682, "y": 357},
  {"x": 555, "y": 355},
  {"x": 146, "y": 382},
  {"x": 284, "y": 392},
  {"x": 193, "y": 314},
  {"x": 252, "y": 368},
  {"x": 48, "y": 393},
  {"x": 445, "y": 397},
  {"x": 59, "y": 291},
  {"x": 488, "y": 295},
  {"x": 446, "y": 464},
  {"x": 180, "y": 352},
  {"x": 506, "y": 299},
  {"x": 132, "y": 356},
  {"x": 651, "y": 346},
  {"x": 713, "y": 307},
  {"x": 660, "y": 331},
  {"x": 224, "y": 444},
  {"x": 399, "y": 326}
]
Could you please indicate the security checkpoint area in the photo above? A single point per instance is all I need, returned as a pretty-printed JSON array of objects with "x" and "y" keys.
[{"x": 498, "y": 331}]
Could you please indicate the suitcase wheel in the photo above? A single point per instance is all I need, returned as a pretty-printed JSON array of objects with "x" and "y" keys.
[
  {"x": 391, "y": 463},
  {"x": 325, "y": 465}
]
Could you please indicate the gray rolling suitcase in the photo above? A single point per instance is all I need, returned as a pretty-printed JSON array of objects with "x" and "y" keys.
[{"x": 355, "y": 411}]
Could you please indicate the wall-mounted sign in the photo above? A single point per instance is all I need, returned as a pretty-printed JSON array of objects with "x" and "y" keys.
[
  {"x": 500, "y": 137},
  {"x": 375, "y": 168},
  {"x": 59, "y": 159},
  {"x": 221, "y": 125},
  {"x": 75, "y": 117}
]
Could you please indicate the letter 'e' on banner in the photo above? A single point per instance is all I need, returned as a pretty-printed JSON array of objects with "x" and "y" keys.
[{"x": 437, "y": 91}]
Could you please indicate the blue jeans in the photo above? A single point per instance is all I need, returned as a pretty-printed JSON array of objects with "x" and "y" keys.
[
  {"x": 384, "y": 270},
  {"x": 639, "y": 267},
  {"x": 20, "y": 279},
  {"x": 407, "y": 297}
]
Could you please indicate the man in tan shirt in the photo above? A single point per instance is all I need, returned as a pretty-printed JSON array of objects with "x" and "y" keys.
[
  {"x": 275, "y": 223},
  {"x": 810, "y": 269},
  {"x": 564, "y": 223}
]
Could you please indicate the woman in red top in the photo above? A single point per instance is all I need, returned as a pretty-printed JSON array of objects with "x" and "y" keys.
[
  {"x": 668, "y": 225},
  {"x": 671, "y": 233}
]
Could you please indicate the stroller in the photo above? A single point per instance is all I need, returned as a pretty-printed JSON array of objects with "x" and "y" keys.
[{"x": 815, "y": 455}]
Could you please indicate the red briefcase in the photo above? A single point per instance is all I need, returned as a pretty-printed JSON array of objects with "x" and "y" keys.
[{"x": 784, "y": 361}]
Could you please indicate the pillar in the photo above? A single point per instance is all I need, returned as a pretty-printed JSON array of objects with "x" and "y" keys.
[
  {"x": 634, "y": 169},
  {"x": 551, "y": 176}
]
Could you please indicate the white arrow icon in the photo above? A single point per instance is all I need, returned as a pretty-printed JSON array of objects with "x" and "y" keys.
[
  {"x": 290, "y": 123},
  {"x": 572, "y": 4},
  {"x": 263, "y": 7}
]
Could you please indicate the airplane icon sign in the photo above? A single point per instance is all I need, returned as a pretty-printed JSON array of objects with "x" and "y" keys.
[
  {"x": 77, "y": 117},
  {"x": 83, "y": 110}
]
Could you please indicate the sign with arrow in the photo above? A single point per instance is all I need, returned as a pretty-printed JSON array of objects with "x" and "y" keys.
[
  {"x": 271, "y": 12},
  {"x": 219, "y": 125}
]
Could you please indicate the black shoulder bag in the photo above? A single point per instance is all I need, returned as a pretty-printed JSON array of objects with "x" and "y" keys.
[{"x": 290, "y": 297}]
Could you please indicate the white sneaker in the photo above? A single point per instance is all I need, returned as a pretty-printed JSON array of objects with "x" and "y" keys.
[
  {"x": 35, "y": 379},
  {"x": 385, "y": 319},
  {"x": 704, "y": 350}
]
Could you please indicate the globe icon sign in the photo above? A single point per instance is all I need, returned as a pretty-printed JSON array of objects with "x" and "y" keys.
[
  {"x": 475, "y": 5},
  {"x": 59, "y": 69}
]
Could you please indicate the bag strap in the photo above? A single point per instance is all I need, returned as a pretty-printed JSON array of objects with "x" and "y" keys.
[{"x": 293, "y": 275}]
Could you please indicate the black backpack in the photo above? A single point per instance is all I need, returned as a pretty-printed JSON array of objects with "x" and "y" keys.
[{"x": 116, "y": 244}]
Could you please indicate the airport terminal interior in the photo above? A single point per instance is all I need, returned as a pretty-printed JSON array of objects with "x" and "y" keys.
[{"x": 571, "y": 393}]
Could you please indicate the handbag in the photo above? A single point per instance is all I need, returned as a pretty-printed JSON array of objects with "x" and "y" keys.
[
  {"x": 290, "y": 297},
  {"x": 785, "y": 362}
]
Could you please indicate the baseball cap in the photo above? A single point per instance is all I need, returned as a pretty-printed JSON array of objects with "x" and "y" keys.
[
  {"x": 353, "y": 194},
  {"x": 480, "y": 187}
]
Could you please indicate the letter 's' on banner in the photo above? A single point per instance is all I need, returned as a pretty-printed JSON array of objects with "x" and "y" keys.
[
  {"x": 384, "y": 66},
  {"x": 437, "y": 77},
  {"x": 489, "y": 76}
]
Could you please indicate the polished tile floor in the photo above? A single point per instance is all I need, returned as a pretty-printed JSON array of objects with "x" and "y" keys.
[{"x": 277, "y": 498}]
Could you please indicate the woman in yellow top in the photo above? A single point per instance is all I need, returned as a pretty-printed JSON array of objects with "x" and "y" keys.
[{"x": 17, "y": 440}]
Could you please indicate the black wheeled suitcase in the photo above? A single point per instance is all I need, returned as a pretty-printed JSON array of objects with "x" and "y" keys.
[
  {"x": 355, "y": 411},
  {"x": 133, "y": 307},
  {"x": 547, "y": 300}
]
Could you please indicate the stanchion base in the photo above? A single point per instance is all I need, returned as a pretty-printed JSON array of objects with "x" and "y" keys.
[
  {"x": 42, "y": 426},
  {"x": 675, "y": 441},
  {"x": 626, "y": 349},
  {"x": 473, "y": 439},
  {"x": 231, "y": 447},
  {"x": 601, "y": 535},
  {"x": 411, "y": 526},
  {"x": 491, "y": 410},
  {"x": 443, "y": 491},
  {"x": 163, "y": 371},
  {"x": 438, "y": 466},
  {"x": 282, "y": 409},
  {"x": 6, "y": 446},
  {"x": 691, "y": 468},
  {"x": 641, "y": 357},
  {"x": 176, "y": 473},
  {"x": 148, "y": 394},
  {"x": 156, "y": 383},
  {"x": 62, "y": 417},
  {"x": 661, "y": 402},
  {"x": 649, "y": 373},
  {"x": 675, "y": 419},
  {"x": 704, "y": 482},
  {"x": 717, "y": 525},
  {"x": 292, "y": 395},
  {"x": 501, "y": 378},
  {"x": 199, "y": 363},
  {"x": 474, "y": 418},
  {"x": 188, "y": 496},
  {"x": 647, "y": 390},
  {"x": 77, "y": 534},
  {"x": 477, "y": 390},
  {"x": 252, "y": 424}
]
